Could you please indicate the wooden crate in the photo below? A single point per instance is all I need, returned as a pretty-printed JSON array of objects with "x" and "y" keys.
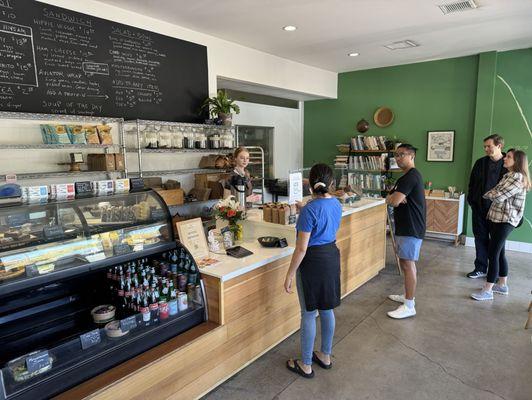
[{"x": 172, "y": 197}]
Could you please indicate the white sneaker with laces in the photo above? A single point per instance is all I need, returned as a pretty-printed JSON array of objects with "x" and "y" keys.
[
  {"x": 402, "y": 312},
  {"x": 399, "y": 298}
]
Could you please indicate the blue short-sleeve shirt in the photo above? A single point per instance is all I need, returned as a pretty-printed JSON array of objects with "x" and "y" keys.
[{"x": 321, "y": 217}]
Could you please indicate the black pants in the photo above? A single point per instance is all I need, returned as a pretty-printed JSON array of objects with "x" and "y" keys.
[
  {"x": 498, "y": 265},
  {"x": 482, "y": 237}
]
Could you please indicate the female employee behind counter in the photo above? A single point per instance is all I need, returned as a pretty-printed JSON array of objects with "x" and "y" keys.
[{"x": 240, "y": 176}]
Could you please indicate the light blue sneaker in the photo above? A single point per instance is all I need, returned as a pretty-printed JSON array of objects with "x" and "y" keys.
[
  {"x": 482, "y": 295},
  {"x": 500, "y": 289}
]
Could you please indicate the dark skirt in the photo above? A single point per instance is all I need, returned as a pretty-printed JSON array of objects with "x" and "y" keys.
[{"x": 320, "y": 277}]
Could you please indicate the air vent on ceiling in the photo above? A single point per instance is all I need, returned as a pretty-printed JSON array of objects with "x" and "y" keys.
[
  {"x": 457, "y": 6},
  {"x": 403, "y": 44}
]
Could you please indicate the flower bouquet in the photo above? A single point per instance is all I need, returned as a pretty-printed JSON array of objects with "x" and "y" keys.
[{"x": 229, "y": 210}]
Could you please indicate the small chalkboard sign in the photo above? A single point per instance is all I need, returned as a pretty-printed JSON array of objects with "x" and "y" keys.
[
  {"x": 83, "y": 188},
  {"x": 121, "y": 248},
  {"x": 38, "y": 361},
  {"x": 136, "y": 184},
  {"x": 158, "y": 214},
  {"x": 17, "y": 219},
  {"x": 128, "y": 323},
  {"x": 53, "y": 232},
  {"x": 90, "y": 339}
]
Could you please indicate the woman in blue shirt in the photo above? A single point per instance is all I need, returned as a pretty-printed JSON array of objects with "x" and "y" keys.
[{"x": 317, "y": 263}]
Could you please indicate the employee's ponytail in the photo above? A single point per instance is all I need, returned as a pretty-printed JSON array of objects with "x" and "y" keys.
[{"x": 320, "y": 179}]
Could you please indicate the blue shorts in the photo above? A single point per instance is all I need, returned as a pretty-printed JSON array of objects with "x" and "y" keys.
[{"x": 408, "y": 247}]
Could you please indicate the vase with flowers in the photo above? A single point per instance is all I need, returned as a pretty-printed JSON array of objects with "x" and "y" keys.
[{"x": 230, "y": 210}]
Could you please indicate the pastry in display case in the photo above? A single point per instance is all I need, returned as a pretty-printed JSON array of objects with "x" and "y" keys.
[{"x": 86, "y": 284}]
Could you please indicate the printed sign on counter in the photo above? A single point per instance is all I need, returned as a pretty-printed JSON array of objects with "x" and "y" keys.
[
  {"x": 192, "y": 236},
  {"x": 295, "y": 187}
]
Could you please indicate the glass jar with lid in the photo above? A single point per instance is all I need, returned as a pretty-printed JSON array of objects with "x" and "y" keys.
[
  {"x": 150, "y": 138},
  {"x": 214, "y": 141},
  {"x": 177, "y": 137},
  {"x": 189, "y": 138},
  {"x": 165, "y": 138},
  {"x": 201, "y": 140}
]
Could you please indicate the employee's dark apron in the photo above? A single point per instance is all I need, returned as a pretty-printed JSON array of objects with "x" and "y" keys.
[{"x": 320, "y": 277}]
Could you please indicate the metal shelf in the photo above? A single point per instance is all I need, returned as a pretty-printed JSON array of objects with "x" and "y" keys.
[
  {"x": 56, "y": 146},
  {"x": 178, "y": 171},
  {"x": 173, "y": 123},
  {"x": 167, "y": 150},
  {"x": 371, "y": 151},
  {"x": 383, "y": 171},
  {"x": 56, "y": 117},
  {"x": 57, "y": 174}
]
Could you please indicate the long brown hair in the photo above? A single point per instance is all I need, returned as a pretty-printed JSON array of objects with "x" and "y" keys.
[{"x": 521, "y": 166}]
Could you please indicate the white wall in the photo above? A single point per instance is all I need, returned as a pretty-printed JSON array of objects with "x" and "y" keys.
[
  {"x": 226, "y": 59},
  {"x": 288, "y": 133}
]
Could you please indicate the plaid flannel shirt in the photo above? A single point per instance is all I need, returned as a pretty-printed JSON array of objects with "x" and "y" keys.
[{"x": 508, "y": 199}]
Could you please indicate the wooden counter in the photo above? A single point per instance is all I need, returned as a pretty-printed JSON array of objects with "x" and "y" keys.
[{"x": 249, "y": 313}]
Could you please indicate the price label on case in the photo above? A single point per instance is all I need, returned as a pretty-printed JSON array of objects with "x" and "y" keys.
[
  {"x": 128, "y": 323},
  {"x": 90, "y": 339},
  {"x": 37, "y": 361}
]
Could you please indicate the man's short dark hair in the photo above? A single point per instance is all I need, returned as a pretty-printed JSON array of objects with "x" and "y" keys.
[
  {"x": 497, "y": 139},
  {"x": 408, "y": 147}
]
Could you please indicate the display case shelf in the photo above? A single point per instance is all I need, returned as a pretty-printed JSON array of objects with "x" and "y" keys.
[{"x": 22, "y": 284}]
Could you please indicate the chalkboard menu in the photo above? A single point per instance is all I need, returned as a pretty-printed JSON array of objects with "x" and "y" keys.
[{"x": 58, "y": 61}]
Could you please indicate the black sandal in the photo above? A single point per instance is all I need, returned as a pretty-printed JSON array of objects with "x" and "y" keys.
[
  {"x": 298, "y": 370},
  {"x": 316, "y": 359}
]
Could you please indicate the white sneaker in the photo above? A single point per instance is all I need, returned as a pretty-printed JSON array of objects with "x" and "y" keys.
[
  {"x": 402, "y": 312},
  {"x": 399, "y": 298}
]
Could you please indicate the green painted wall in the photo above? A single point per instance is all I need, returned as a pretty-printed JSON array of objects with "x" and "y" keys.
[
  {"x": 462, "y": 94},
  {"x": 436, "y": 95},
  {"x": 515, "y": 67}
]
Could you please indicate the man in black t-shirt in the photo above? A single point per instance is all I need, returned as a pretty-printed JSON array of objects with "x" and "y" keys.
[
  {"x": 408, "y": 199},
  {"x": 485, "y": 175}
]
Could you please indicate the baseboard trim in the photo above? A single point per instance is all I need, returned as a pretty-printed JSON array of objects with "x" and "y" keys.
[{"x": 511, "y": 245}]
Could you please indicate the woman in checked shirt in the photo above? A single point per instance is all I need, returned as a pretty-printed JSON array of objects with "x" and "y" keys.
[{"x": 505, "y": 213}]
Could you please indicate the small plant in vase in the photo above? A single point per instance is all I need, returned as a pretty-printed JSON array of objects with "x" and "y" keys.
[
  {"x": 230, "y": 210},
  {"x": 220, "y": 107}
]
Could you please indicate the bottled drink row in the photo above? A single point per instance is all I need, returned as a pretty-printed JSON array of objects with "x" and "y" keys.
[{"x": 156, "y": 288}]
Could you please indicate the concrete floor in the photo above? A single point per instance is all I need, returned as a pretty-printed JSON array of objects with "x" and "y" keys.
[{"x": 455, "y": 348}]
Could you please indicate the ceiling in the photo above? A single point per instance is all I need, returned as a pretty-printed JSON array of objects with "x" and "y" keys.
[{"x": 330, "y": 29}]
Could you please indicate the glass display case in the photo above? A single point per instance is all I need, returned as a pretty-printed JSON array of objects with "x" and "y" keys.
[{"x": 86, "y": 284}]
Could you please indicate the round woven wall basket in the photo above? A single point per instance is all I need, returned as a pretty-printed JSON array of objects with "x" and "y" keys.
[{"x": 383, "y": 117}]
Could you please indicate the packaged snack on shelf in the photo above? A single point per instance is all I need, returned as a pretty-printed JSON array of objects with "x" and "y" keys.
[
  {"x": 91, "y": 135},
  {"x": 103, "y": 187},
  {"x": 121, "y": 185},
  {"x": 62, "y": 190},
  {"x": 45, "y": 133},
  {"x": 35, "y": 192},
  {"x": 101, "y": 162},
  {"x": 76, "y": 134},
  {"x": 104, "y": 133},
  {"x": 58, "y": 134}
]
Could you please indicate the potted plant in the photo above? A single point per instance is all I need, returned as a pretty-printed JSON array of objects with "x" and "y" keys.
[{"x": 221, "y": 106}]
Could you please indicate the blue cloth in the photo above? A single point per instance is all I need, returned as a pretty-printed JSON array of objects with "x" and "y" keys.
[
  {"x": 321, "y": 217},
  {"x": 308, "y": 327},
  {"x": 408, "y": 247}
]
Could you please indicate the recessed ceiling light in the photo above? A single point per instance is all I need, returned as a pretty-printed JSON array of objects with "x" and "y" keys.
[
  {"x": 353, "y": 54},
  {"x": 289, "y": 28}
]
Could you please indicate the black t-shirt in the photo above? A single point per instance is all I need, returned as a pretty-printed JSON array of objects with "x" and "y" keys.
[
  {"x": 410, "y": 218},
  {"x": 492, "y": 178}
]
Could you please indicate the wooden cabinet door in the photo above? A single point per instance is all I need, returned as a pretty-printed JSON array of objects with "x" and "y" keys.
[
  {"x": 445, "y": 216},
  {"x": 430, "y": 214}
]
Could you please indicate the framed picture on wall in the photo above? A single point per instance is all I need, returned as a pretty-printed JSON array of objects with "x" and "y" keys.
[{"x": 440, "y": 146}]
